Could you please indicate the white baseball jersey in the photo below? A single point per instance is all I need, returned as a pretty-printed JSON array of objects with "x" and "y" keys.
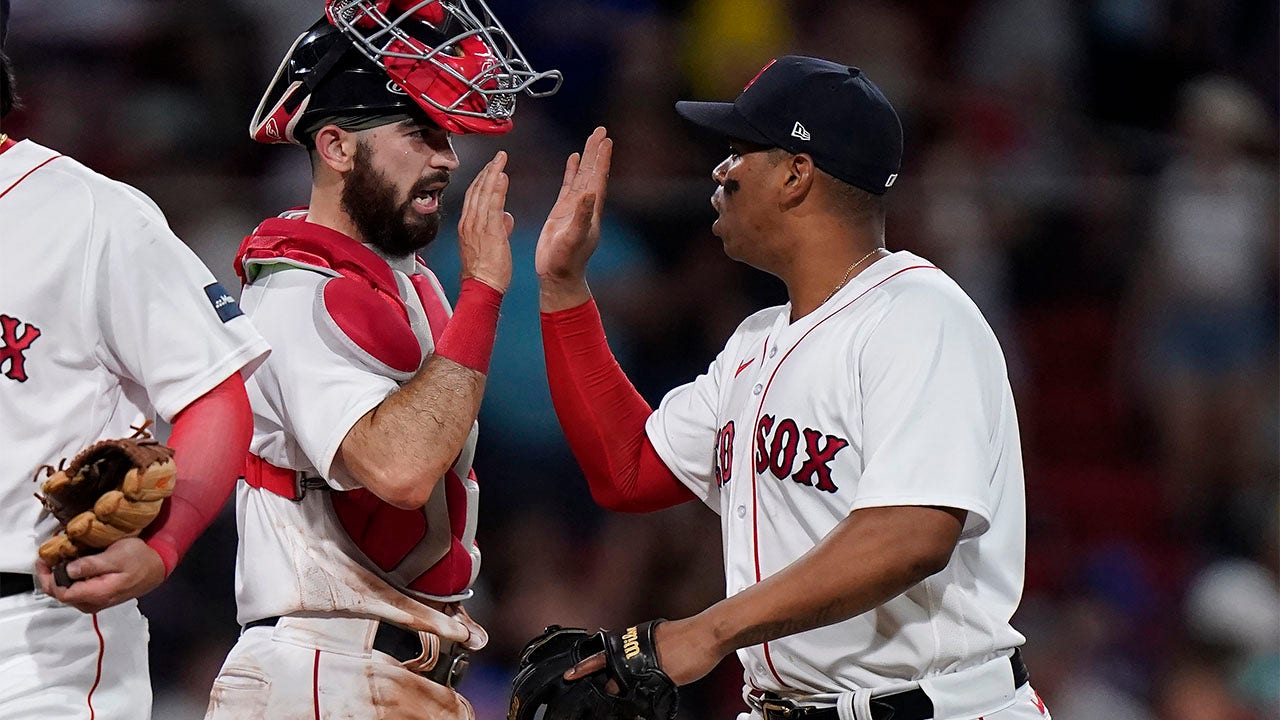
[
  {"x": 309, "y": 555},
  {"x": 893, "y": 392},
  {"x": 107, "y": 319}
]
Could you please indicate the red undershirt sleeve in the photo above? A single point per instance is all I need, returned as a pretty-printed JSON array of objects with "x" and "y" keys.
[
  {"x": 603, "y": 417},
  {"x": 210, "y": 440}
]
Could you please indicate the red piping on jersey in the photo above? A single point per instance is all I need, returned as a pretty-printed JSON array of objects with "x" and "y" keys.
[
  {"x": 97, "y": 678},
  {"x": 315, "y": 685},
  {"x": 28, "y": 173},
  {"x": 755, "y": 526}
]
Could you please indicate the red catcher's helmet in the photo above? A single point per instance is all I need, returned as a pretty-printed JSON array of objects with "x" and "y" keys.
[{"x": 451, "y": 59}]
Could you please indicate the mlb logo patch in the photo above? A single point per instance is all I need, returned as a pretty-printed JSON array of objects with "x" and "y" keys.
[{"x": 223, "y": 302}]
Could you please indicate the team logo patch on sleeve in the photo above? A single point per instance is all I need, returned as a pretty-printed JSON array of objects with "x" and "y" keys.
[{"x": 223, "y": 302}]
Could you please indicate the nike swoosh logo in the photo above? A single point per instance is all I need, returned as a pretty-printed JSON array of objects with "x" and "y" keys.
[{"x": 743, "y": 366}]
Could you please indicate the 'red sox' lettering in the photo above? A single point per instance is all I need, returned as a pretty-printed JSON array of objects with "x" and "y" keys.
[
  {"x": 778, "y": 444},
  {"x": 15, "y": 345},
  {"x": 723, "y": 469}
]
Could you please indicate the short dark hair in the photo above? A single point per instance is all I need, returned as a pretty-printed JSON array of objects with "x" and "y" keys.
[
  {"x": 856, "y": 203},
  {"x": 8, "y": 98}
]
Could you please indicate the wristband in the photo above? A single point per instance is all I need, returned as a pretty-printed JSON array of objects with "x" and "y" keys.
[
  {"x": 468, "y": 338},
  {"x": 169, "y": 555}
]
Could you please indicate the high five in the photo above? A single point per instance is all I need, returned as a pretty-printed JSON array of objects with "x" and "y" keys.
[{"x": 859, "y": 442}]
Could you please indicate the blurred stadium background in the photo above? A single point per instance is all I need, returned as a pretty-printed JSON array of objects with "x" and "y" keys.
[{"x": 1100, "y": 175}]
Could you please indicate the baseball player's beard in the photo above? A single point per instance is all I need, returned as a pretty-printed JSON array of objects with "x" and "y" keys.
[{"x": 394, "y": 228}]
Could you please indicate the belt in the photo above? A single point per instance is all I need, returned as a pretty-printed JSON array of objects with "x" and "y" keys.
[
  {"x": 16, "y": 583},
  {"x": 439, "y": 661},
  {"x": 907, "y": 705}
]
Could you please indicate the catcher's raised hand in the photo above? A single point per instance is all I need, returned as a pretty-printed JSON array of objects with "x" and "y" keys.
[
  {"x": 484, "y": 228},
  {"x": 127, "y": 569},
  {"x": 572, "y": 230}
]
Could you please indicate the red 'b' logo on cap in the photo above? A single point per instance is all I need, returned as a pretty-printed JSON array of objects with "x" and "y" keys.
[{"x": 757, "y": 77}]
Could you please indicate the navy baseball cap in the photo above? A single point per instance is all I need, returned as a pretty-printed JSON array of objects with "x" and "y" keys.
[{"x": 831, "y": 111}]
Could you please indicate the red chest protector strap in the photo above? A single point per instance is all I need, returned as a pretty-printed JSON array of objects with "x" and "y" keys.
[{"x": 288, "y": 484}]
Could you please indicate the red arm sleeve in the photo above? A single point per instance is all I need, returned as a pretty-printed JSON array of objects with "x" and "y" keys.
[
  {"x": 210, "y": 440},
  {"x": 603, "y": 417}
]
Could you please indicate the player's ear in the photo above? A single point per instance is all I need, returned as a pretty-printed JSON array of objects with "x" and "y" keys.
[
  {"x": 336, "y": 148},
  {"x": 797, "y": 177}
]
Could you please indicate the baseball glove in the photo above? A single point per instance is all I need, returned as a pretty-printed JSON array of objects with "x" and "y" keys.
[
  {"x": 110, "y": 491},
  {"x": 644, "y": 690}
]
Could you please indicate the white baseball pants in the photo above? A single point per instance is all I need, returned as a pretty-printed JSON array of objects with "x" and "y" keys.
[
  {"x": 324, "y": 669},
  {"x": 57, "y": 663}
]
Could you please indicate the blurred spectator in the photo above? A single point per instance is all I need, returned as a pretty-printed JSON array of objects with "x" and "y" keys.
[
  {"x": 731, "y": 39},
  {"x": 1235, "y": 604},
  {"x": 1194, "y": 688},
  {"x": 1205, "y": 332}
]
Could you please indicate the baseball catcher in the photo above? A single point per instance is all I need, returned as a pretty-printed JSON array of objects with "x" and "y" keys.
[
  {"x": 630, "y": 687},
  {"x": 110, "y": 491}
]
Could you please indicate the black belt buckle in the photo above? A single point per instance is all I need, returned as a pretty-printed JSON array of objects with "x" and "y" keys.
[
  {"x": 884, "y": 710},
  {"x": 302, "y": 483},
  {"x": 457, "y": 671},
  {"x": 773, "y": 710}
]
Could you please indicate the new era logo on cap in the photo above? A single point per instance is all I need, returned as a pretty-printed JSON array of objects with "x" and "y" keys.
[{"x": 800, "y": 132}]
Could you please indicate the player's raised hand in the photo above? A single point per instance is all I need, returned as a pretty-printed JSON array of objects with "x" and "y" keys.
[
  {"x": 127, "y": 569},
  {"x": 484, "y": 230},
  {"x": 572, "y": 230}
]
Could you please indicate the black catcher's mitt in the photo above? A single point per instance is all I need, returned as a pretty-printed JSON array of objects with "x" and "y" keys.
[{"x": 644, "y": 690}]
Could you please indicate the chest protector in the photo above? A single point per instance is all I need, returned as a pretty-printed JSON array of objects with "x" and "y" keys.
[{"x": 430, "y": 550}]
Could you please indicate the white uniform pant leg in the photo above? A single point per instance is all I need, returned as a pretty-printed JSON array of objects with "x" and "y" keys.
[
  {"x": 265, "y": 676},
  {"x": 1027, "y": 705},
  {"x": 57, "y": 663}
]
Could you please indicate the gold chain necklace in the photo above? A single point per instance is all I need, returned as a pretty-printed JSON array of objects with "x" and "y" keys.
[{"x": 847, "y": 275}]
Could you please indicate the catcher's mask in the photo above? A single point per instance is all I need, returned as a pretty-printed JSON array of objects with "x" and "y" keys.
[{"x": 451, "y": 59}]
